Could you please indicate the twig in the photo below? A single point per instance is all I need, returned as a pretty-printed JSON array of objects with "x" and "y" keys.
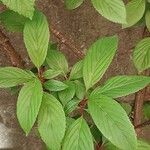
[
  {"x": 66, "y": 42},
  {"x": 9, "y": 51},
  {"x": 82, "y": 105},
  {"x": 138, "y": 106},
  {"x": 146, "y": 123}
]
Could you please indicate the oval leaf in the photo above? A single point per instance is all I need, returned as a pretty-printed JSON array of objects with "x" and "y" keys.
[
  {"x": 12, "y": 21},
  {"x": 78, "y": 136},
  {"x": 66, "y": 95},
  {"x": 49, "y": 74},
  {"x": 122, "y": 85},
  {"x": 72, "y": 4},
  {"x": 23, "y": 7},
  {"x": 28, "y": 104},
  {"x": 51, "y": 122},
  {"x": 135, "y": 11},
  {"x": 112, "y": 121},
  {"x": 12, "y": 76},
  {"x": 77, "y": 70},
  {"x": 57, "y": 61},
  {"x": 98, "y": 59},
  {"x": 147, "y": 19},
  {"x": 54, "y": 85},
  {"x": 141, "y": 55},
  {"x": 112, "y": 10},
  {"x": 36, "y": 38}
]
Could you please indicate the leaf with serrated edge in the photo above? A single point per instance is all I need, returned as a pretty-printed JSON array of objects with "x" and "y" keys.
[
  {"x": 72, "y": 4},
  {"x": 55, "y": 85},
  {"x": 36, "y": 38},
  {"x": 28, "y": 104},
  {"x": 51, "y": 122},
  {"x": 112, "y": 121},
  {"x": 12, "y": 21},
  {"x": 122, "y": 85},
  {"x": 66, "y": 95},
  {"x": 147, "y": 20},
  {"x": 57, "y": 61},
  {"x": 78, "y": 136},
  {"x": 135, "y": 11},
  {"x": 12, "y": 76},
  {"x": 77, "y": 70},
  {"x": 141, "y": 55},
  {"x": 50, "y": 73},
  {"x": 98, "y": 59},
  {"x": 112, "y": 10},
  {"x": 23, "y": 7}
]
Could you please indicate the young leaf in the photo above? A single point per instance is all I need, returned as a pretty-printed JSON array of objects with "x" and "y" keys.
[
  {"x": 57, "y": 61},
  {"x": 80, "y": 90},
  {"x": 72, "y": 4},
  {"x": 77, "y": 70},
  {"x": 71, "y": 106},
  {"x": 12, "y": 76},
  {"x": 135, "y": 11},
  {"x": 112, "y": 121},
  {"x": 66, "y": 95},
  {"x": 12, "y": 21},
  {"x": 36, "y": 38},
  {"x": 23, "y": 7},
  {"x": 146, "y": 110},
  {"x": 98, "y": 59},
  {"x": 54, "y": 85},
  {"x": 112, "y": 10},
  {"x": 147, "y": 20},
  {"x": 141, "y": 55},
  {"x": 28, "y": 104},
  {"x": 51, "y": 122},
  {"x": 49, "y": 74},
  {"x": 122, "y": 85},
  {"x": 78, "y": 136}
]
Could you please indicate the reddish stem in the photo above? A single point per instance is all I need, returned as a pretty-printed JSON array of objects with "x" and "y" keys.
[
  {"x": 146, "y": 123},
  {"x": 82, "y": 105}
]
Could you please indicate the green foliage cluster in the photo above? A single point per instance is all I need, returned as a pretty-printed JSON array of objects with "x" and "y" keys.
[{"x": 61, "y": 98}]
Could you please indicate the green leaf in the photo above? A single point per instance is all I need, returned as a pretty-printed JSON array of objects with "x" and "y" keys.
[
  {"x": 112, "y": 121},
  {"x": 110, "y": 146},
  {"x": 127, "y": 107},
  {"x": 112, "y": 10},
  {"x": 77, "y": 70},
  {"x": 49, "y": 74},
  {"x": 28, "y": 104},
  {"x": 36, "y": 38},
  {"x": 143, "y": 145},
  {"x": 23, "y": 7},
  {"x": 78, "y": 136},
  {"x": 146, "y": 110},
  {"x": 55, "y": 85},
  {"x": 71, "y": 106},
  {"x": 12, "y": 21},
  {"x": 12, "y": 76},
  {"x": 72, "y": 4},
  {"x": 141, "y": 55},
  {"x": 135, "y": 11},
  {"x": 97, "y": 135},
  {"x": 57, "y": 61},
  {"x": 51, "y": 122},
  {"x": 98, "y": 59},
  {"x": 147, "y": 19},
  {"x": 66, "y": 95},
  {"x": 122, "y": 85},
  {"x": 80, "y": 90}
]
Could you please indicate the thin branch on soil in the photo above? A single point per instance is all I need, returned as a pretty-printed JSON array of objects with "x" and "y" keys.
[
  {"x": 9, "y": 51},
  {"x": 138, "y": 106},
  {"x": 66, "y": 42}
]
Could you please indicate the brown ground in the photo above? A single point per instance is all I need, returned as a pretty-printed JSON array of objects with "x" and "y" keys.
[{"x": 81, "y": 27}]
